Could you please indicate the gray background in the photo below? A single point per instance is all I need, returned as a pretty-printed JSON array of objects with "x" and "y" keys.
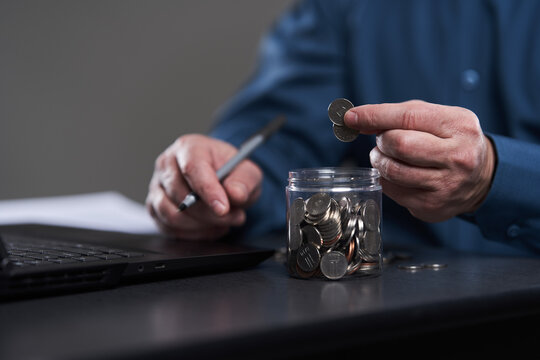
[{"x": 92, "y": 91}]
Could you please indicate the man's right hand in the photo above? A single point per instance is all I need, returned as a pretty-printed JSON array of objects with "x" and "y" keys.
[{"x": 190, "y": 164}]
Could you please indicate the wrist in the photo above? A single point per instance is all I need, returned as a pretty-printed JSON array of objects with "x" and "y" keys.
[{"x": 486, "y": 176}]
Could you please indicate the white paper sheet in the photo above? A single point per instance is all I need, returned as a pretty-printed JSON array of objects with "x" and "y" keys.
[{"x": 109, "y": 210}]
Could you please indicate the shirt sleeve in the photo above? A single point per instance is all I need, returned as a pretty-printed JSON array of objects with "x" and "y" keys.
[
  {"x": 511, "y": 211},
  {"x": 299, "y": 72}
]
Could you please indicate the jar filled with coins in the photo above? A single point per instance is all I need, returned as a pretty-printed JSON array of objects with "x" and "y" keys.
[{"x": 334, "y": 223}]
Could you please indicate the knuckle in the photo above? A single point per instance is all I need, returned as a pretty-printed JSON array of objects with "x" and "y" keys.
[
  {"x": 188, "y": 167},
  {"x": 400, "y": 145},
  {"x": 372, "y": 120},
  {"x": 467, "y": 122},
  {"x": 466, "y": 160},
  {"x": 160, "y": 162},
  {"x": 410, "y": 118},
  {"x": 431, "y": 204},
  {"x": 182, "y": 141},
  {"x": 392, "y": 170}
]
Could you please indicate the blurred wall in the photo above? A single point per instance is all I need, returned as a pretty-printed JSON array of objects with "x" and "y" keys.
[{"x": 92, "y": 91}]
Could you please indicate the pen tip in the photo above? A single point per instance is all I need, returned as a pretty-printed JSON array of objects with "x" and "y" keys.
[{"x": 182, "y": 207}]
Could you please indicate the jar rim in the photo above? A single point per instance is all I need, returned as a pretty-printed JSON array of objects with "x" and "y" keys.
[{"x": 359, "y": 173}]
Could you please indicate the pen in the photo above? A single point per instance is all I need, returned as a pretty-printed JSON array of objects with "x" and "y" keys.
[{"x": 243, "y": 152}]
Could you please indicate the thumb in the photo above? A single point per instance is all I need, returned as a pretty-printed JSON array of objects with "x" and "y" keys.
[{"x": 201, "y": 177}]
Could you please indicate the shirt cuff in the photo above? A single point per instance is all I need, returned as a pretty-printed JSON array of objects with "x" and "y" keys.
[{"x": 509, "y": 211}]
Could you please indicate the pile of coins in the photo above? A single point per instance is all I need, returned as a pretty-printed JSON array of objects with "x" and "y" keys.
[
  {"x": 336, "y": 113},
  {"x": 333, "y": 238}
]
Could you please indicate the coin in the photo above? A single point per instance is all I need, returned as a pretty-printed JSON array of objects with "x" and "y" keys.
[
  {"x": 366, "y": 266},
  {"x": 308, "y": 257},
  {"x": 304, "y": 274},
  {"x": 337, "y": 110},
  {"x": 372, "y": 242},
  {"x": 350, "y": 250},
  {"x": 334, "y": 265},
  {"x": 360, "y": 227},
  {"x": 371, "y": 215},
  {"x": 312, "y": 235},
  {"x": 435, "y": 266},
  {"x": 318, "y": 205},
  {"x": 412, "y": 267},
  {"x": 345, "y": 134},
  {"x": 336, "y": 230},
  {"x": 297, "y": 211},
  {"x": 295, "y": 237}
]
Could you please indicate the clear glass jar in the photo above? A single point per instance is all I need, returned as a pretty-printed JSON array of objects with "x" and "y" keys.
[{"x": 334, "y": 219}]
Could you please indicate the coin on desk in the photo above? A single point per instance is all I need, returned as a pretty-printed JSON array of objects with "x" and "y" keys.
[{"x": 435, "y": 266}]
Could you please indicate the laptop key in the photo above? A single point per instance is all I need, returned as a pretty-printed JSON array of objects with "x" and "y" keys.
[
  {"x": 130, "y": 254},
  {"x": 16, "y": 258},
  {"x": 64, "y": 261},
  {"x": 33, "y": 262},
  {"x": 87, "y": 258},
  {"x": 109, "y": 256}
]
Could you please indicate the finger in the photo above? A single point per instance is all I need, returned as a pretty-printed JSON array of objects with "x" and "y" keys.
[
  {"x": 422, "y": 204},
  {"x": 172, "y": 181},
  {"x": 411, "y": 199},
  {"x": 162, "y": 208},
  {"x": 242, "y": 182},
  {"x": 404, "y": 196},
  {"x": 202, "y": 179},
  {"x": 410, "y": 115},
  {"x": 200, "y": 215},
  {"x": 414, "y": 147},
  {"x": 403, "y": 174},
  {"x": 254, "y": 196},
  {"x": 191, "y": 229}
]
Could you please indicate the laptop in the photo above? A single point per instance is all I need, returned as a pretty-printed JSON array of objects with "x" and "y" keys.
[{"x": 40, "y": 260}]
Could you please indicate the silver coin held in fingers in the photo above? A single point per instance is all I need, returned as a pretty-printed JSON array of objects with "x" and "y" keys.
[{"x": 337, "y": 110}]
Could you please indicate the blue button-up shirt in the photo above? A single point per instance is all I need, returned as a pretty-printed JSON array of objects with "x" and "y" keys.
[{"x": 483, "y": 55}]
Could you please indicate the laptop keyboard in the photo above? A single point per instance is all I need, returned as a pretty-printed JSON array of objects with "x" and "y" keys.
[{"x": 24, "y": 252}]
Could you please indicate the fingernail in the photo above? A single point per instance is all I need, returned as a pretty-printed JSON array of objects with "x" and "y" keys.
[
  {"x": 218, "y": 207},
  {"x": 350, "y": 117},
  {"x": 373, "y": 157}
]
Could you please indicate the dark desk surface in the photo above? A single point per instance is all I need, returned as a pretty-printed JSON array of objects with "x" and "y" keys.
[{"x": 263, "y": 313}]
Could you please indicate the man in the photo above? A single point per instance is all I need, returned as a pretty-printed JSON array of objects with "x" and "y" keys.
[{"x": 448, "y": 96}]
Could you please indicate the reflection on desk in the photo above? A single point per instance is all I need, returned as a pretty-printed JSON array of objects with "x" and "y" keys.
[{"x": 264, "y": 313}]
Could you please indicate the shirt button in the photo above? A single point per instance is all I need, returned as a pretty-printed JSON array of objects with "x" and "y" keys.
[
  {"x": 470, "y": 79},
  {"x": 513, "y": 231}
]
